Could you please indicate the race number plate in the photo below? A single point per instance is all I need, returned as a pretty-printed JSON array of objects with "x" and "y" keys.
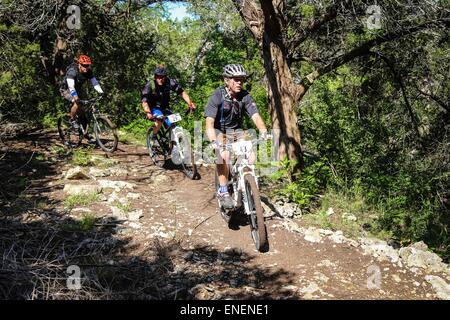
[{"x": 174, "y": 117}]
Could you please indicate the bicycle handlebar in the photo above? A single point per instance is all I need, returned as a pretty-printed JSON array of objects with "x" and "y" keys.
[
  {"x": 89, "y": 101},
  {"x": 229, "y": 146}
]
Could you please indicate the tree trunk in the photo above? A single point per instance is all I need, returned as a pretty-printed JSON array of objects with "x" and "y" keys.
[{"x": 283, "y": 97}]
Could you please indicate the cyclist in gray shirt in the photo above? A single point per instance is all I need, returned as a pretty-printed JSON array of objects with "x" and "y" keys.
[{"x": 224, "y": 115}]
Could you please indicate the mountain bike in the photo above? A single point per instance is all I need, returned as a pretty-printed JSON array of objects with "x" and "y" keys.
[
  {"x": 172, "y": 142},
  {"x": 104, "y": 130},
  {"x": 243, "y": 188}
]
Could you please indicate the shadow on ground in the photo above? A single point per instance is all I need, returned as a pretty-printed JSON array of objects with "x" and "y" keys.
[{"x": 39, "y": 243}]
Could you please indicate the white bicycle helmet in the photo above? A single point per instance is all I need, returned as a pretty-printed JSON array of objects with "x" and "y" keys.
[{"x": 234, "y": 70}]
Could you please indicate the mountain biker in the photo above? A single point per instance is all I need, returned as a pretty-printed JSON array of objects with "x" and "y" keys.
[
  {"x": 224, "y": 121},
  {"x": 155, "y": 101},
  {"x": 76, "y": 75}
]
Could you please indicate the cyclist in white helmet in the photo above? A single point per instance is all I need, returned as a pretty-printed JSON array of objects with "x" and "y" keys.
[{"x": 224, "y": 115}]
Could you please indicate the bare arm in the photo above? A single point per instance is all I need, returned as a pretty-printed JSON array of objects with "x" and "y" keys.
[
  {"x": 186, "y": 98},
  {"x": 210, "y": 131},
  {"x": 259, "y": 123},
  {"x": 146, "y": 107}
]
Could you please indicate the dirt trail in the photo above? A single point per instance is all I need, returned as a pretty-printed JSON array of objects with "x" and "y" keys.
[{"x": 180, "y": 235}]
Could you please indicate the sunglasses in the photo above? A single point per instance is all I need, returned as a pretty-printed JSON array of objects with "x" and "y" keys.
[
  {"x": 239, "y": 79},
  {"x": 87, "y": 66}
]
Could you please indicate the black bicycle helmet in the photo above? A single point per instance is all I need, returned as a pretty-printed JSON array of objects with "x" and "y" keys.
[
  {"x": 234, "y": 70},
  {"x": 160, "y": 71}
]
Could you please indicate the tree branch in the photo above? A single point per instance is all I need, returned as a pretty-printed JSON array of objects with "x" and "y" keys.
[
  {"x": 436, "y": 99},
  {"x": 310, "y": 29},
  {"x": 365, "y": 48}
]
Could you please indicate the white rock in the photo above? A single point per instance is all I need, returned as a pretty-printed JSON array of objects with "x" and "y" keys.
[
  {"x": 325, "y": 232},
  {"x": 379, "y": 249},
  {"x": 420, "y": 246},
  {"x": 116, "y": 185},
  {"x": 422, "y": 259},
  {"x": 351, "y": 242},
  {"x": 312, "y": 235},
  {"x": 135, "y": 225},
  {"x": 135, "y": 215},
  {"x": 86, "y": 210},
  {"x": 349, "y": 217},
  {"x": 118, "y": 213},
  {"x": 289, "y": 288},
  {"x": 267, "y": 211},
  {"x": 95, "y": 172},
  {"x": 287, "y": 209},
  {"x": 132, "y": 195},
  {"x": 292, "y": 226},
  {"x": 160, "y": 179},
  {"x": 321, "y": 277},
  {"x": 396, "y": 278},
  {"x": 76, "y": 173},
  {"x": 114, "y": 197},
  {"x": 330, "y": 211},
  {"x": 337, "y": 237},
  {"x": 118, "y": 171},
  {"x": 326, "y": 263},
  {"x": 441, "y": 287},
  {"x": 73, "y": 189},
  {"x": 308, "y": 292}
]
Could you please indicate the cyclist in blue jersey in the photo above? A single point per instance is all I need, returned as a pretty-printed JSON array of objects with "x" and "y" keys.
[{"x": 156, "y": 100}]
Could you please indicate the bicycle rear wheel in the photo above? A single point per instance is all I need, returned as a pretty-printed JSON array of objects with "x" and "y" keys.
[
  {"x": 69, "y": 136},
  {"x": 155, "y": 150},
  {"x": 106, "y": 134},
  {"x": 258, "y": 227}
]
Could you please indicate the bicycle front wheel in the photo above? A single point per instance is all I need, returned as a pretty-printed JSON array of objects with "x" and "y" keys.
[
  {"x": 155, "y": 150},
  {"x": 106, "y": 134},
  {"x": 257, "y": 225},
  {"x": 186, "y": 157},
  {"x": 70, "y": 137}
]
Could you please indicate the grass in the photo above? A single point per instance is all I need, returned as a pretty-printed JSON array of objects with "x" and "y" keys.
[
  {"x": 58, "y": 150},
  {"x": 40, "y": 157},
  {"x": 342, "y": 204},
  {"x": 86, "y": 223},
  {"x": 82, "y": 157},
  {"x": 125, "y": 207},
  {"x": 80, "y": 199},
  {"x": 132, "y": 138}
]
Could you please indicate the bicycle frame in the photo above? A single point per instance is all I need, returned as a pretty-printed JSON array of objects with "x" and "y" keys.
[
  {"x": 175, "y": 131},
  {"x": 91, "y": 113},
  {"x": 239, "y": 169}
]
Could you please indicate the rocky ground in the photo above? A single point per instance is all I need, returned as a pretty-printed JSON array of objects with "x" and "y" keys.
[{"x": 139, "y": 231}]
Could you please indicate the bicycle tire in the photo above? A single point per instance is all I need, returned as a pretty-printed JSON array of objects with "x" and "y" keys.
[
  {"x": 188, "y": 163},
  {"x": 106, "y": 134},
  {"x": 257, "y": 225},
  {"x": 70, "y": 137},
  {"x": 154, "y": 152}
]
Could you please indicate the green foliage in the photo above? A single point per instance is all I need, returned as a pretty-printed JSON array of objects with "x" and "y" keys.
[
  {"x": 81, "y": 199},
  {"x": 21, "y": 85},
  {"x": 307, "y": 186},
  {"x": 125, "y": 207},
  {"x": 372, "y": 146},
  {"x": 85, "y": 224},
  {"x": 82, "y": 157}
]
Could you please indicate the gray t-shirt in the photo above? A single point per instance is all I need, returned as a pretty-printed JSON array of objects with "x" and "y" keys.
[{"x": 227, "y": 112}]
